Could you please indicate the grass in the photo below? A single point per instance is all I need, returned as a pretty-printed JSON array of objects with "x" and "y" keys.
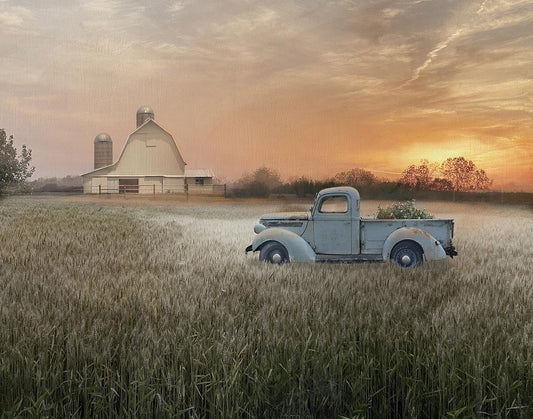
[{"x": 128, "y": 308}]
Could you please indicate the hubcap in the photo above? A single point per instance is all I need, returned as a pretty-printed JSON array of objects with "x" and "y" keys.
[
  {"x": 276, "y": 258},
  {"x": 406, "y": 260}
]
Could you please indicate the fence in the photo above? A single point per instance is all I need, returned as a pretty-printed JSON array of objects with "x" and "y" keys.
[{"x": 187, "y": 190}]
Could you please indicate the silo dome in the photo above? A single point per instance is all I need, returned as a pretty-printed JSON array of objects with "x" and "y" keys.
[
  {"x": 102, "y": 137},
  {"x": 144, "y": 113}
]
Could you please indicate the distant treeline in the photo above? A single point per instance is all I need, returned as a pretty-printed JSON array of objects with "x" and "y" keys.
[
  {"x": 70, "y": 184},
  {"x": 266, "y": 182}
]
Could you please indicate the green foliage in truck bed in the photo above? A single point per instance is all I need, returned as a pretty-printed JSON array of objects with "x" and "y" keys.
[{"x": 403, "y": 210}]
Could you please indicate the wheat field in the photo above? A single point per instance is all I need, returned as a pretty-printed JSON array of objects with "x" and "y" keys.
[{"x": 150, "y": 308}]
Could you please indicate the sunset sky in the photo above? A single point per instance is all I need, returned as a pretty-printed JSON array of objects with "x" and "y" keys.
[{"x": 307, "y": 87}]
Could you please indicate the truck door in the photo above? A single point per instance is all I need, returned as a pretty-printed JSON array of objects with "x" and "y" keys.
[{"x": 333, "y": 225}]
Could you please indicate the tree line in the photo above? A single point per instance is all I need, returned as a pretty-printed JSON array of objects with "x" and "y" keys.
[{"x": 455, "y": 174}]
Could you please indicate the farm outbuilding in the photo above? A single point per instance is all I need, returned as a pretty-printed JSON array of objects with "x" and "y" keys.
[{"x": 150, "y": 162}]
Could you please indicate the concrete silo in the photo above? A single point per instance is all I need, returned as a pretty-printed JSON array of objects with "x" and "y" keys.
[
  {"x": 144, "y": 113},
  {"x": 103, "y": 150}
]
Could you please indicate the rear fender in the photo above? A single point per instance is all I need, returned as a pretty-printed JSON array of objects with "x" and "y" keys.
[
  {"x": 299, "y": 250},
  {"x": 432, "y": 248}
]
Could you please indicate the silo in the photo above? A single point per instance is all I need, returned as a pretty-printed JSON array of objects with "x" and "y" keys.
[
  {"x": 103, "y": 150},
  {"x": 144, "y": 113}
]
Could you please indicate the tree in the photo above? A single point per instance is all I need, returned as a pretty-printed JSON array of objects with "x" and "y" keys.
[
  {"x": 355, "y": 177},
  {"x": 463, "y": 175},
  {"x": 439, "y": 184},
  {"x": 454, "y": 174},
  {"x": 417, "y": 177},
  {"x": 259, "y": 183},
  {"x": 302, "y": 186},
  {"x": 14, "y": 169}
]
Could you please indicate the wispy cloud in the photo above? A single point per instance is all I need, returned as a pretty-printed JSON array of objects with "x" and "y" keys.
[{"x": 432, "y": 55}]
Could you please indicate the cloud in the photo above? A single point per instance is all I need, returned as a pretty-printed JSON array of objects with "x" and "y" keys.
[
  {"x": 15, "y": 19},
  {"x": 433, "y": 55},
  {"x": 176, "y": 6}
]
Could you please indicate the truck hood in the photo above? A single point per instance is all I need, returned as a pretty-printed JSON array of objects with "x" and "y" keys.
[{"x": 292, "y": 221}]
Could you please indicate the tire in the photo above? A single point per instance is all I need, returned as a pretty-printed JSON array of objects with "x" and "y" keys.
[
  {"x": 407, "y": 255},
  {"x": 274, "y": 253}
]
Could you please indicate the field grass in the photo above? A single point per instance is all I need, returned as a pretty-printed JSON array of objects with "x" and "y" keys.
[{"x": 136, "y": 308}]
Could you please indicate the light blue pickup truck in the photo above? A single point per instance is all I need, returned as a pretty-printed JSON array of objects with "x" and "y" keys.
[{"x": 334, "y": 231}]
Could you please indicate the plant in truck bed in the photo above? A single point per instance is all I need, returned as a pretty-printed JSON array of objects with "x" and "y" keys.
[{"x": 403, "y": 210}]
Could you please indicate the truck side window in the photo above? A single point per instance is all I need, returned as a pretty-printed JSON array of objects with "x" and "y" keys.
[{"x": 334, "y": 205}]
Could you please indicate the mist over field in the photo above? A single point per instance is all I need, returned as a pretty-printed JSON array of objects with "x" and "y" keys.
[{"x": 138, "y": 307}]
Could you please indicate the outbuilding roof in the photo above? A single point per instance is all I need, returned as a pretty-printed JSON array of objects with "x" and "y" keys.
[{"x": 199, "y": 173}]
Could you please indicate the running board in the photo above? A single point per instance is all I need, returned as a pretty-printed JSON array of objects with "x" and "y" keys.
[{"x": 348, "y": 258}]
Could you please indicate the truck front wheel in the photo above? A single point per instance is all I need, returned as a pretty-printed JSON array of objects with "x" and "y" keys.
[
  {"x": 274, "y": 252},
  {"x": 407, "y": 255}
]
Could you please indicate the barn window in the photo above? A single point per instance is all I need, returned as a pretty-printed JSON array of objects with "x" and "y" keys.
[{"x": 199, "y": 181}]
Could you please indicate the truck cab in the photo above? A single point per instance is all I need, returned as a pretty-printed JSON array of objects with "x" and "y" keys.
[{"x": 334, "y": 222}]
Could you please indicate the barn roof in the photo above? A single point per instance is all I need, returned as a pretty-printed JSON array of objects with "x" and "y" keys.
[{"x": 148, "y": 121}]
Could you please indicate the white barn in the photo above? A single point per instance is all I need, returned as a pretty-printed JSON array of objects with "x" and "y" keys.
[{"x": 150, "y": 162}]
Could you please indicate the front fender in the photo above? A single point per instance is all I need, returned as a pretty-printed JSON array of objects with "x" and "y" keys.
[
  {"x": 432, "y": 248},
  {"x": 299, "y": 250}
]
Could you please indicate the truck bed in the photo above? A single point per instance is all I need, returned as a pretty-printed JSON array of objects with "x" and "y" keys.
[{"x": 374, "y": 231}]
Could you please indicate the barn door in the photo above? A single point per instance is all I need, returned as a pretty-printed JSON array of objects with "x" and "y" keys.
[{"x": 128, "y": 185}]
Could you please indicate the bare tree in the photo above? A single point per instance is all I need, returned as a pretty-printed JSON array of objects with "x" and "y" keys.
[
  {"x": 417, "y": 177},
  {"x": 463, "y": 175}
]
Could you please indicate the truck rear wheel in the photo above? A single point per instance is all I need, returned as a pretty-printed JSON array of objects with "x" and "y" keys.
[
  {"x": 274, "y": 252},
  {"x": 407, "y": 255}
]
